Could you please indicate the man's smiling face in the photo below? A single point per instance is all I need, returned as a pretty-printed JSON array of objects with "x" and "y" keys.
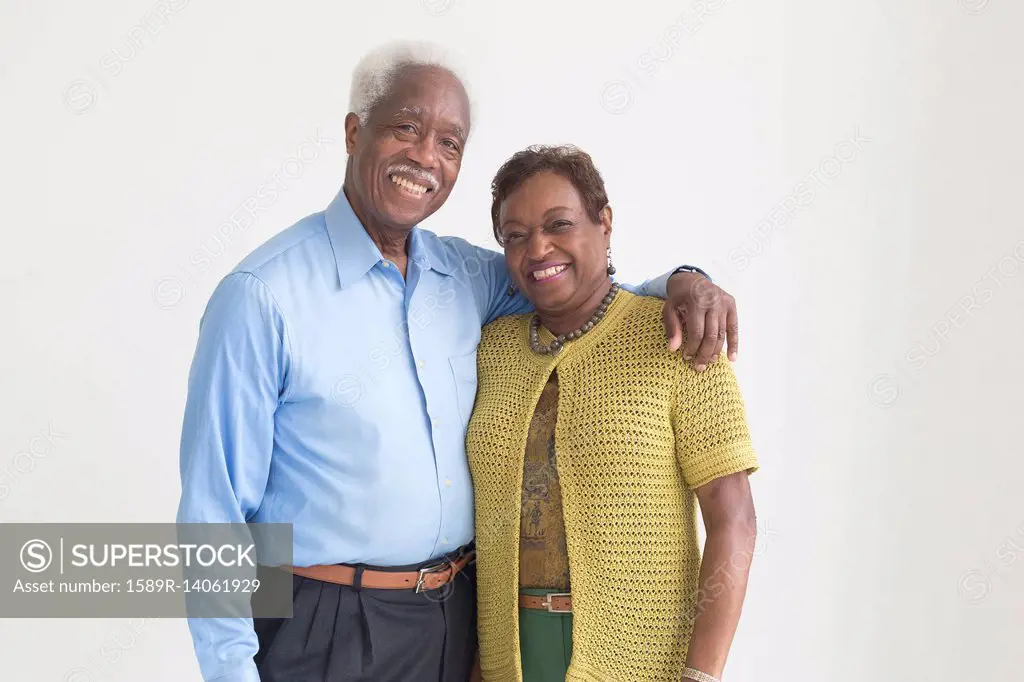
[{"x": 406, "y": 157}]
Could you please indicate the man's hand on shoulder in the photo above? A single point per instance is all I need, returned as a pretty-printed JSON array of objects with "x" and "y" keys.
[{"x": 705, "y": 313}]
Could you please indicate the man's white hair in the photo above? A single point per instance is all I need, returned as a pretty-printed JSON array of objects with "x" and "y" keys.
[{"x": 375, "y": 74}]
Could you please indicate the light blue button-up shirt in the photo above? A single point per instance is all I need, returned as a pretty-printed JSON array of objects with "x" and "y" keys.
[{"x": 328, "y": 392}]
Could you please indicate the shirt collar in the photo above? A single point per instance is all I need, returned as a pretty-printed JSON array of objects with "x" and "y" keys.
[{"x": 355, "y": 254}]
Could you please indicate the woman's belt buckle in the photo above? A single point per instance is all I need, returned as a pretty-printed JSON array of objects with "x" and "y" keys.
[{"x": 551, "y": 607}]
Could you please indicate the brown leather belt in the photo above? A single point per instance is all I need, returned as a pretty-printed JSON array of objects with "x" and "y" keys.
[
  {"x": 429, "y": 578},
  {"x": 556, "y": 602}
]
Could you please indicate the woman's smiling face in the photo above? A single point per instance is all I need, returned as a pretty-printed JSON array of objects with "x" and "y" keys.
[{"x": 556, "y": 254}]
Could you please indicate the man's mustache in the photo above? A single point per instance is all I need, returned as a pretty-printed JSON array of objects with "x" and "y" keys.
[{"x": 416, "y": 172}]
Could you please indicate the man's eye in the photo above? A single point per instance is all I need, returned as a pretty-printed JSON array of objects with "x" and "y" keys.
[
  {"x": 451, "y": 145},
  {"x": 407, "y": 128},
  {"x": 512, "y": 237},
  {"x": 561, "y": 225}
]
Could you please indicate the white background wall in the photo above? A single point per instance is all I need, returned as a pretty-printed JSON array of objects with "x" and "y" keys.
[{"x": 891, "y": 480}]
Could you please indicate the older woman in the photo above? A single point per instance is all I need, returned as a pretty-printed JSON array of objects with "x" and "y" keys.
[{"x": 590, "y": 445}]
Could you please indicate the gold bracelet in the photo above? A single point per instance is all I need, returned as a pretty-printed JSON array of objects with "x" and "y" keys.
[{"x": 699, "y": 676}]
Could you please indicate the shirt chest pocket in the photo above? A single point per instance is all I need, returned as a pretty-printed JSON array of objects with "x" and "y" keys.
[{"x": 464, "y": 375}]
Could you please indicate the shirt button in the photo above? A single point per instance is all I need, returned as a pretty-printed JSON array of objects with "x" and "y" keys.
[
  {"x": 387, "y": 264},
  {"x": 445, "y": 541},
  {"x": 447, "y": 483},
  {"x": 433, "y": 422},
  {"x": 419, "y": 363}
]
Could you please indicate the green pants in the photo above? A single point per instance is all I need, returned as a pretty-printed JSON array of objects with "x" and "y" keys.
[{"x": 545, "y": 642}]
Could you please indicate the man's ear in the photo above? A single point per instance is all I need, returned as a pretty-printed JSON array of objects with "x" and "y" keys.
[{"x": 351, "y": 131}]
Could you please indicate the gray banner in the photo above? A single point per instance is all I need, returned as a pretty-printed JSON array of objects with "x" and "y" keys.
[{"x": 159, "y": 570}]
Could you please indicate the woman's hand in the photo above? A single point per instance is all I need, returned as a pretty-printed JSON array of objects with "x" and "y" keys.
[{"x": 707, "y": 314}]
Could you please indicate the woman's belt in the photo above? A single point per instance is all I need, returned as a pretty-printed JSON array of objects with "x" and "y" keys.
[
  {"x": 428, "y": 578},
  {"x": 555, "y": 602}
]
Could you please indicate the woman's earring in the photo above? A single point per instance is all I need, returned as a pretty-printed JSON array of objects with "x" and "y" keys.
[
  {"x": 511, "y": 290},
  {"x": 611, "y": 268}
]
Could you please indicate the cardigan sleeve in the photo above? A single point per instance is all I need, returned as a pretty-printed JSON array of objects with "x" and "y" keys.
[{"x": 710, "y": 423}]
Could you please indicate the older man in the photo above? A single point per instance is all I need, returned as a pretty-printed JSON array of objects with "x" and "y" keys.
[{"x": 331, "y": 387}]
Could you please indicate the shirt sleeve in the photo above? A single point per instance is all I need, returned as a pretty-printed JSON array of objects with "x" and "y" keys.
[
  {"x": 238, "y": 370},
  {"x": 710, "y": 422},
  {"x": 484, "y": 271},
  {"x": 657, "y": 287}
]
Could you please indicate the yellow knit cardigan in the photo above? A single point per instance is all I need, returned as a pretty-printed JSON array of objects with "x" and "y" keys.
[{"x": 637, "y": 430}]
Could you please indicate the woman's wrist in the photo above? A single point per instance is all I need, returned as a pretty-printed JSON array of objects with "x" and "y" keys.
[{"x": 698, "y": 675}]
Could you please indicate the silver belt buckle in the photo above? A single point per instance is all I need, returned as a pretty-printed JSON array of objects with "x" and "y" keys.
[
  {"x": 423, "y": 572},
  {"x": 550, "y": 607}
]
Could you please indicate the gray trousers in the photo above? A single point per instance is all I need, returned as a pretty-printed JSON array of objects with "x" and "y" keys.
[{"x": 342, "y": 634}]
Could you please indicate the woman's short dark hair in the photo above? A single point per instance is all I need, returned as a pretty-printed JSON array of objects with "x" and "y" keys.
[{"x": 572, "y": 163}]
